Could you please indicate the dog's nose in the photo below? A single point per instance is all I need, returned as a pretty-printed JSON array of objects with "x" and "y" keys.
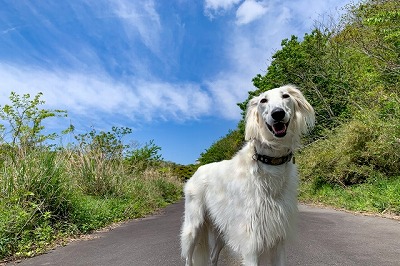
[{"x": 278, "y": 114}]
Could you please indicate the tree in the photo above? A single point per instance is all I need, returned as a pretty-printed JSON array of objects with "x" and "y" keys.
[
  {"x": 108, "y": 144},
  {"x": 373, "y": 28},
  {"x": 223, "y": 149},
  {"x": 139, "y": 159},
  {"x": 23, "y": 120},
  {"x": 342, "y": 69},
  {"x": 315, "y": 65}
]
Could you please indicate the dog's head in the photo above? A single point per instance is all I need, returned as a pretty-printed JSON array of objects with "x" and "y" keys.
[{"x": 279, "y": 113}]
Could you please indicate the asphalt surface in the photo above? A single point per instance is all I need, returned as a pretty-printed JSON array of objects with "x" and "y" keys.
[{"x": 325, "y": 237}]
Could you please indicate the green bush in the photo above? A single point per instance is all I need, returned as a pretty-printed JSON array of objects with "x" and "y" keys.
[
  {"x": 184, "y": 172},
  {"x": 223, "y": 149},
  {"x": 362, "y": 149},
  {"x": 36, "y": 195},
  {"x": 41, "y": 200},
  {"x": 48, "y": 193},
  {"x": 377, "y": 196}
]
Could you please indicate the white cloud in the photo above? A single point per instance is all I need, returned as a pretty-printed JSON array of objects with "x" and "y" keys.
[
  {"x": 215, "y": 5},
  {"x": 172, "y": 101},
  {"x": 249, "y": 11},
  {"x": 227, "y": 89},
  {"x": 91, "y": 95},
  {"x": 142, "y": 96},
  {"x": 213, "y": 8},
  {"x": 140, "y": 17},
  {"x": 249, "y": 47}
]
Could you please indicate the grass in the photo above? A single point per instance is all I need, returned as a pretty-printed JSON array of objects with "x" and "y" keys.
[
  {"x": 47, "y": 196},
  {"x": 50, "y": 193},
  {"x": 356, "y": 167},
  {"x": 378, "y": 196}
]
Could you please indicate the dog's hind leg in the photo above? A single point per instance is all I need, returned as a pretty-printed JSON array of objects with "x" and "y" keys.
[
  {"x": 194, "y": 239},
  {"x": 196, "y": 251},
  {"x": 216, "y": 243}
]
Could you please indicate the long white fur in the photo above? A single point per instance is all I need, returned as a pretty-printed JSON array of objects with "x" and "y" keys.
[{"x": 243, "y": 203}]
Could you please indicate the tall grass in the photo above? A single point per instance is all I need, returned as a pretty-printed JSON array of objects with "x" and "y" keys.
[
  {"x": 49, "y": 193},
  {"x": 376, "y": 196},
  {"x": 357, "y": 165},
  {"x": 35, "y": 194}
]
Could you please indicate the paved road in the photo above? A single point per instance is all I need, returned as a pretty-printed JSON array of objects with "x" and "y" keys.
[{"x": 325, "y": 237}]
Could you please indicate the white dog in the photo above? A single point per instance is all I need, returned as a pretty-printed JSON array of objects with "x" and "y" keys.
[{"x": 250, "y": 202}]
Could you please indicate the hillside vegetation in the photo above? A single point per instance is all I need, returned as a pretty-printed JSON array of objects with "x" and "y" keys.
[
  {"x": 350, "y": 73},
  {"x": 49, "y": 193}
]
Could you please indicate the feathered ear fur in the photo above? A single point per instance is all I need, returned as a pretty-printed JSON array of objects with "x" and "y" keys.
[
  {"x": 252, "y": 120},
  {"x": 305, "y": 115}
]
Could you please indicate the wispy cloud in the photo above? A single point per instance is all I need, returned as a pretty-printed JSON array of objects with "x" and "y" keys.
[
  {"x": 249, "y": 11},
  {"x": 140, "y": 17},
  {"x": 249, "y": 46},
  {"x": 106, "y": 58},
  {"x": 90, "y": 95},
  {"x": 9, "y": 30},
  {"x": 246, "y": 11},
  {"x": 214, "y": 7}
]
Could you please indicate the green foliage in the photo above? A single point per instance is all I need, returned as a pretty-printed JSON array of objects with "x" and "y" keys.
[
  {"x": 47, "y": 193},
  {"x": 24, "y": 120},
  {"x": 144, "y": 194},
  {"x": 224, "y": 148},
  {"x": 99, "y": 160},
  {"x": 109, "y": 144},
  {"x": 365, "y": 148},
  {"x": 184, "y": 172},
  {"x": 167, "y": 190},
  {"x": 375, "y": 196},
  {"x": 35, "y": 195},
  {"x": 141, "y": 158},
  {"x": 372, "y": 29},
  {"x": 19, "y": 225},
  {"x": 350, "y": 74}
]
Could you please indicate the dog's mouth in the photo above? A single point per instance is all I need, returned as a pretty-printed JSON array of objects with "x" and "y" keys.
[{"x": 279, "y": 129}]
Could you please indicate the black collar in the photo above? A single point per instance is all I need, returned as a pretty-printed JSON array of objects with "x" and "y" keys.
[{"x": 272, "y": 160}]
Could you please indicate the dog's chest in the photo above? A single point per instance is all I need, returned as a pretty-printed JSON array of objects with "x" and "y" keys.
[
  {"x": 269, "y": 181},
  {"x": 261, "y": 210}
]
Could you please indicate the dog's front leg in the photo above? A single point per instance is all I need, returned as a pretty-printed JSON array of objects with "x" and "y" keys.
[
  {"x": 275, "y": 256},
  {"x": 189, "y": 258},
  {"x": 250, "y": 259}
]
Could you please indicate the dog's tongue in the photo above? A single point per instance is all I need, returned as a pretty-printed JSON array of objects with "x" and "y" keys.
[{"x": 279, "y": 128}]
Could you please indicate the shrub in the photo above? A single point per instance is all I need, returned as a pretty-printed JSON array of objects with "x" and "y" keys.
[
  {"x": 365, "y": 148},
  {"x": 141, "y": 158},
  {"x": 35, "y": 195},
  {"x": 47, "y": 193},
  {"x": 97, "y": 161},
  {"x": 184, "y": 172},
  {"x": 223, "y": 149}
]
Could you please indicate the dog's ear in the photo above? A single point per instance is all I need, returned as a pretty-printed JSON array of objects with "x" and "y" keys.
[
  {"x": 252, "y": 119},
  {"x": 304, "y": 113}
]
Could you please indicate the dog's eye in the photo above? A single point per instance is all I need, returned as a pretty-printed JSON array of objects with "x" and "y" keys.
[
  {"x": 263, "y": 100},
  {"x": 284, "y": 96}
]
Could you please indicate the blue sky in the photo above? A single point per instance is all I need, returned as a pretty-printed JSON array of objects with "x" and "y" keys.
[{"x": 172, "y": 70}]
